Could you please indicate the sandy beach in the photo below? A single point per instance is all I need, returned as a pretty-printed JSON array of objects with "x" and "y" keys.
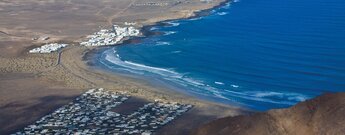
[{"x": 33, "y": 85}]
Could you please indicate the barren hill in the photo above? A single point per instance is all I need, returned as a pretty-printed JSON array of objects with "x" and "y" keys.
[{"x": 319, "y": 116}]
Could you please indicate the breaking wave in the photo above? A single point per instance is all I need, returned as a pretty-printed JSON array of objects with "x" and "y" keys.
[
  {"x": 173, "y": 24},
  {"x": 234, "y": 86},
  {"x": 222, "y": 13},
  {"x": 269, "y": 97},
  {"x": 202, "y": 88},
  {"x": 290, "y": 96},
  {"x": 195, "y": 18},
  {"x": 219, "y": 83},
  {"x": 169, "y": 32},
  {"x": 113, "y": 57},
  {"x": 163, "y": 43},
  {"x": 154, "y": 28},
  {"x": 269, "y": 72},
  {"x": 176, "y": 51},
  {"x": 226, "y": 5}
]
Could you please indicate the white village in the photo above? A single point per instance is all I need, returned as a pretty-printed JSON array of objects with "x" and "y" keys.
[
  {"x": 48, "y": 48},
  {"x": 91, "y": 113},
  {"x": 110, "y": 37},
  {"x": 102, "y": 38}
]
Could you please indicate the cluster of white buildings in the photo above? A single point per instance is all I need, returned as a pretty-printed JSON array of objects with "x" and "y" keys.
[
  {"x": 110, "y": 37},
  {"x": 152, "y": 4},
  {"x": 150, "y": 117},
  {"x": 130, "y": 23},
  {"x": 207, "y": 1},
  {"x": 101, "y": 38},
  {"x": 91, "y": 113},
  {"x": 48, "y": 48}
]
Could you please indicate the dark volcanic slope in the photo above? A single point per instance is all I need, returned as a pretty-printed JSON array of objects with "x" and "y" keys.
[{"x": 319, "y": 116}]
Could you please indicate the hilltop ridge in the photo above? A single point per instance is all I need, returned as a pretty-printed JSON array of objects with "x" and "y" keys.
[{"x": 318, "y": 116}]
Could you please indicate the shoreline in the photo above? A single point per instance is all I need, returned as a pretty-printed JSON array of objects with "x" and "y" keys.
[
  {"x": 76, "y": 73},
  {"x": 89, "y": 58},
  {"x": 203, "y": 110},
  {"x": 258, "y": 81},
  {"x": 157, "y": 89}
]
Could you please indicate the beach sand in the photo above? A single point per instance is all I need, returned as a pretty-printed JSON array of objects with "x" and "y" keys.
[{"x": 33, "y": 85}]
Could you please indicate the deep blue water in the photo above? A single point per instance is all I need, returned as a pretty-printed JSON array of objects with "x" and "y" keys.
[{"x": 260, "y": 54}]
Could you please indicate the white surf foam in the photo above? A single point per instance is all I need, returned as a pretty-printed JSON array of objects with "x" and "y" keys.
[
  {"x": 290, "y": 96},
  {"x": 219, "y": 83},
  {"x": 194, "y": 82},
  {"x": 251, "y": 96},
  {"x": 153, "y": 28},
  {"x": 226, "y": 6},
  {"x": 176, "y": 51},
  {"x": 173, "y": 24},
  {"x": 202, "y": 88},
  {"x": 163, "y": 43},
  {"x": 135, "y": 66},
  {"x": 222, "y": 13},
  {"x": 234, "y": 86},
  {"x": 169, "y": 32},
  {"x": 219, "y": 95},
  {"x": 195, "y": 18}
]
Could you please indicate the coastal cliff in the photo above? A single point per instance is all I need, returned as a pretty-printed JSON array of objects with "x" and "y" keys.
[{"x": 319, "y": 116}]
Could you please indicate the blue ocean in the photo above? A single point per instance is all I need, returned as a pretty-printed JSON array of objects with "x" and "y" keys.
[{"x": 259, "y": 54}]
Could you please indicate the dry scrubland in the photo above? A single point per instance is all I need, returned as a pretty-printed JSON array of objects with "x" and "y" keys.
[
  {"x": 32, "y": 85},
  {"x": 73, "y": 19}
]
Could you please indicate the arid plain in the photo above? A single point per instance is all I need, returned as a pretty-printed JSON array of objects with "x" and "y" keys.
[{"x": 32, "y": 85}]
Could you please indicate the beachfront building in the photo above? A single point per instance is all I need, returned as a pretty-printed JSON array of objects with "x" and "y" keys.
[
  {"x": 48, "y": 48},
  {"x": 110, "y": 37},
  {"x": 91, "y": 113}
]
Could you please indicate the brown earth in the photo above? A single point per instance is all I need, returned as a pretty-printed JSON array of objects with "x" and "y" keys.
[
  {"x": 30, "y": 79},
  {"x": 323, "y": 115},
  {"x": 72, "y": 20},
  {"x": 130, "y": 106},
  {"x": 33, "y": 85},
  {"x": 25, "y": 98}
]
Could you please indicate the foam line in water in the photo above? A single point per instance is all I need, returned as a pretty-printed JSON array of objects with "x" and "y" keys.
[
  {"x": 163, "y": 43},
  {"x": 236, "y": 1},
  {"x": 193, "y": 82},
  {"x": 194, "y": 19},
  {"x": 250, "y": 97},
  {"x": 219, "y": 83},
  {"x": 234, "y": 86},
  {"x": 290, "y": 96},
  {"x": 176, "y": 51},
  {"x": 110, "y": 56},
  {"x": 226, "y": 5},
  {"x": 154, "y": 28},
  {"x": 202, "y": 88},
  {"x": 169, "y": 32},
  {"x": 222, "y": 13},
  {"x": 173, "y": 24}
]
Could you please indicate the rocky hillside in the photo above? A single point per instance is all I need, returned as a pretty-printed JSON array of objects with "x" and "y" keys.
[{"x": 319, "y": 116}]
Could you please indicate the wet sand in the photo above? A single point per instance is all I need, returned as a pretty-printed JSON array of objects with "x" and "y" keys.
[{"x": 32, "y": 85}]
